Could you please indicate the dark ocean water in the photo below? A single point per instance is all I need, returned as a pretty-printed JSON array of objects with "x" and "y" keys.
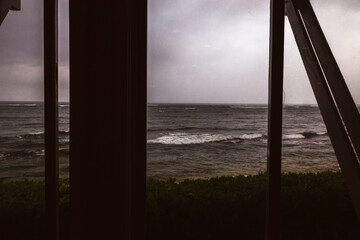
[
  {"x": 211, "y": 140},
  {"x": 22, "y": 140},
  {"x": 184, "y": 141}
]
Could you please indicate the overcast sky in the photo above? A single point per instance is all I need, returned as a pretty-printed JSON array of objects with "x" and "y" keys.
[{"x": 202, "y": 51}]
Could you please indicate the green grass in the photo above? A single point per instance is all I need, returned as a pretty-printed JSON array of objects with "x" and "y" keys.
[{"x": 314, "y": 206}]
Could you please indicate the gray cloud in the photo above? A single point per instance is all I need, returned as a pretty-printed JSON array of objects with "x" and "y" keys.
[
  {"x": 198, "y": 51},
  {"x": 21, "y": 51},
  {"x": 217, "y": 51}
]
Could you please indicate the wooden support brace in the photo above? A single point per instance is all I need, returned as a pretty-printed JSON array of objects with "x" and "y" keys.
[
  {"x": 340, "y": 92},
  {"x": 330, "y": 92}
]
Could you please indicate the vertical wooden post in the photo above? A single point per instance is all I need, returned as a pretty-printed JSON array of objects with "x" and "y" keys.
[
  {"x": 275, "y": 118},
  {"x": 51, "y": 119},
  {"x": 108, "y": 43}
]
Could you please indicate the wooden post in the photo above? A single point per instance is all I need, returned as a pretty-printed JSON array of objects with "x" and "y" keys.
[
  {"x": 51, "y": 119},
  {"x": 275, "y": 118},
  {"x": 108, "y": 54}
]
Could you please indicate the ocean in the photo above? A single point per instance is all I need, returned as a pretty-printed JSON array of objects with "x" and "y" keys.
[
  {"x": 22, "y": 140},
  {"x": 192, "y": 141},
  {"x": 184, "y": 141}
]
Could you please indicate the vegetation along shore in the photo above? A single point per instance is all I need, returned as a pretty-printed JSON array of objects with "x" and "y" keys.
[{"x": 314, "y": 206}]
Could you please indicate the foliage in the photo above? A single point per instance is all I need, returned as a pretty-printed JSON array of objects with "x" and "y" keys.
[{"x": 314, "y": 206}]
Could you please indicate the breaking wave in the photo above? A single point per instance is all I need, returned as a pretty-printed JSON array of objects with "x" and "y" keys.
[
  {"x": 184, "y": 138},
  {"x": 303, "y": 135},
  {"x": 187, "y": 138}
]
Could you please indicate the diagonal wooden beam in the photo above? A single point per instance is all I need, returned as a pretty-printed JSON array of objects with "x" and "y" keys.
[
  {"x": 340, "y": 92},
  {"x": 332, "y": 118}
]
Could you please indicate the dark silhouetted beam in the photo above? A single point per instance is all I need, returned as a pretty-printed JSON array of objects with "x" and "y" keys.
[
  {"x": 108, "y": 119},
  {"x": 275, "y": 118},
  {"x": 332, "y": 117},
  {"x": 335, "y": 80},
  {"x": 51, "y": 119},
  {"x": 6, "y": 6},
  {"x": 16, "y": 5}
]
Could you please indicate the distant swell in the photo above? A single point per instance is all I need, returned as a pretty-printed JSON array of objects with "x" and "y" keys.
[
  {"x": 40, "y": 134},
  {"x": 20, "y": 105},
  {"x": 313, "y": 134},
  {"x": 22, "y": 154},
  {"x": 192, "y": 128}
]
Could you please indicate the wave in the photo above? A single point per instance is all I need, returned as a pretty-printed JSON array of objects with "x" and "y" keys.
[
  {"x": 293, "y": 136},
  {"x": 313, "y": 134},
  {"x": 191, "y": 128},
  {"x": 247, "y": 107},
  {"x": 303, "y": 135},
  {"x": 185, "y": 139},
  {"x": 32, "y": 135},
  {"x": 22, "y": 154},
  {"x": 20, "y": 105},
  {"x": 40, "y": 134}
]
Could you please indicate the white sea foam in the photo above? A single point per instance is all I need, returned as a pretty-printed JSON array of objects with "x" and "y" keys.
[
  {"x": 184, "y": 138},
  {"x": 36, "y": 133},
  {"x": 293, "y": 136},
  {"x": 251, "y": 136},
  {"x": 187, "y": 138}
]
